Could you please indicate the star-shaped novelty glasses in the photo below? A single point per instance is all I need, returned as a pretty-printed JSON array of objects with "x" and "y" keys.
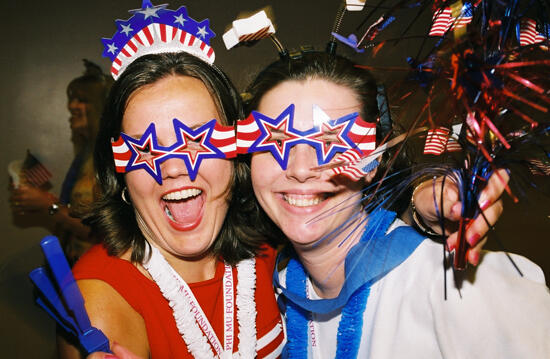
[
  {"x": 210, "y": 140},
  {"x": 328, "y": 137}
]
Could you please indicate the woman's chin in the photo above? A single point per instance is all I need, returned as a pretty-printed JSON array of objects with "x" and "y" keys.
[{"x": 302, "y": 236}]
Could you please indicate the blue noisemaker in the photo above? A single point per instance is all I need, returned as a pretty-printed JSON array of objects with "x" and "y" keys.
[{"x": 60, "y": 297}]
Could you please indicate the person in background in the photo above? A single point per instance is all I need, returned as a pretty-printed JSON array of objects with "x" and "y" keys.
[{"x": 60, "y": 214}]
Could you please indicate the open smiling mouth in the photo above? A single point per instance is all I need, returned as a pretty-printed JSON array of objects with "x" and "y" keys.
[
  {"x": 184, "y": 208},
  {"x": 300, "y": 200}
]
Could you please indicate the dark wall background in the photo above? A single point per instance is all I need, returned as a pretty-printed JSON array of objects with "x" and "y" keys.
[{"x": 43, "y": 44}]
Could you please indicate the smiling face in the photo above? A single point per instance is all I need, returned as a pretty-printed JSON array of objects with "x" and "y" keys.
[
  {"x": 296, "y": 195},
  {"x": 78, "y": 108},
  {"x": 85, "y": 104},
  {"x": 183, "y": 216}
]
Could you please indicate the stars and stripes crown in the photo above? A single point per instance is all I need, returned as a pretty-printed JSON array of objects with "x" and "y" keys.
[{"x": 155, "y": 29}]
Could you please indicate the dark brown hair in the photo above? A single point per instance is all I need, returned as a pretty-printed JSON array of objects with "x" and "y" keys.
[
  {"x": 317, "y": 65},
  {"x": 112, "y": 218},
  {"x": 335, "y": 69}
]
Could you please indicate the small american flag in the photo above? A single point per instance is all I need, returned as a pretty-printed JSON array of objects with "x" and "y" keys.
[
  {"x": 253, "y": 28},
  {"x": 528, "y": 33},
  {"x": 351, "y": 170},
  {"x": 537, "y": 167},
  {"x": 441, "y": 140},
  {"x": 443, "y": 20},
  {"x": 34, "y": 172}
]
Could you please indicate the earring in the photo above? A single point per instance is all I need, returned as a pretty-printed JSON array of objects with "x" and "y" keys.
[{"x": 123, "y": 195}]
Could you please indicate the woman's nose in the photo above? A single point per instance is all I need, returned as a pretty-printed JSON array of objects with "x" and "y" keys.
[
  {"x": 73, "y": 103},
  {"x": 301, "y": 159},
  {"x": 173, "y": 168}
]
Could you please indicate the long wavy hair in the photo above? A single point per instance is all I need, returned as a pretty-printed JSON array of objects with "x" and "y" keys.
[{"x": 112, "y": 218}]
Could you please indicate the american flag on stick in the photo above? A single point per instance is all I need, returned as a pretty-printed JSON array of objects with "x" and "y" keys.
[{"x": 34, "y": 172}]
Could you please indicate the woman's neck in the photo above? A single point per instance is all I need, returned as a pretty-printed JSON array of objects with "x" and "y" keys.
[
  {"x": 191, "y": 270},
  {"x": 196, "y": 270},
  {"x": 325, "y": 262}
]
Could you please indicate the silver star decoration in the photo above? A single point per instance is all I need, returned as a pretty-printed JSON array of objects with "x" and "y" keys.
[
  {"x": 202, "y": 32},
  {"x": 179, "y": 19},
  {"x": 126, "y": 30},
  {"x": 149, "y": 11},
  {"x": 112, "y": 48}
]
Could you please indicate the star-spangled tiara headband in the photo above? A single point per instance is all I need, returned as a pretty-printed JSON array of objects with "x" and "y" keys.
[{"x": 155, "y": 29}]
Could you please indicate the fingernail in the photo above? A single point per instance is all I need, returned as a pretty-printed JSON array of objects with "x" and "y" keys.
[
  {"x": 110, "y": 356},
  {"x": 452, "y": 247},
  {"x": 474, "y": 258},
  {"x": 472, "y": 240}
]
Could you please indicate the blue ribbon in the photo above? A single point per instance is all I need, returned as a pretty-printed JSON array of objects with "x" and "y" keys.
[{"x": 376, "y": 254}]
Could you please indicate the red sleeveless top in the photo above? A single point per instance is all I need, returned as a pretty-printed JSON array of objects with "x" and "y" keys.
[{"x": 145, "y": 298}]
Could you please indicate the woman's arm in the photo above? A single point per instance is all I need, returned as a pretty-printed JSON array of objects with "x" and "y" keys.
[
  {"x": 109, "y": 312},
  {"x": 28, "y": 200}
]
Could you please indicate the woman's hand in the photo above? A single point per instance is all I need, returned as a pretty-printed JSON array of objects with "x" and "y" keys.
[
  {"x": 119, "y": 352},
  {"x": 28, "y": 199},
  {"x": 476, "y": 233}
]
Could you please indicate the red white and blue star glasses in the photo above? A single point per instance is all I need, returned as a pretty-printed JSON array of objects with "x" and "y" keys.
[
  {"x": 210, "y": 140},
  {"x": 328, "y": 137}
]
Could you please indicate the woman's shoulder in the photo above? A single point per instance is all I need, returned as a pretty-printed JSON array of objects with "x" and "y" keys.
[
  {"x": 115, "y": 295},
  {"x": 111, "y": 312},
  {"x": 97, "y": 261},
  {"x": 485, "y": 311},
  {"x": 111, "y": 272},
  {"x": 429, "y": 257}
]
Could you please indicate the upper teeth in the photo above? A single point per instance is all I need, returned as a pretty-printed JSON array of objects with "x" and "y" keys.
[
  {"x": 303, "y": 202},
  {"x": 183, "y": 194}
]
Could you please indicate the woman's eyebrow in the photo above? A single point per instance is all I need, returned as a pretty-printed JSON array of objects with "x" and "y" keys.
[
  {"x": 134, "y": 136},
  {"x": 137, "y": 136},
  {"x": 194, "y": 127}
]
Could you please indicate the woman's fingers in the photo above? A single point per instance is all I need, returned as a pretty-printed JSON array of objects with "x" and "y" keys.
[
  {"x": 476, "y": 234},
  {"x": 426, "y": 196},
  {"x": 495, "y": 186},
  {"x": 492, "y": 208},
  {"x": 119, "y": 352},
  {"x": 123, "y": 353},
  {"x": 473, "y": 253},
  {"x": 479, "y": 227},
  {"x": 101, "y": 355}
]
